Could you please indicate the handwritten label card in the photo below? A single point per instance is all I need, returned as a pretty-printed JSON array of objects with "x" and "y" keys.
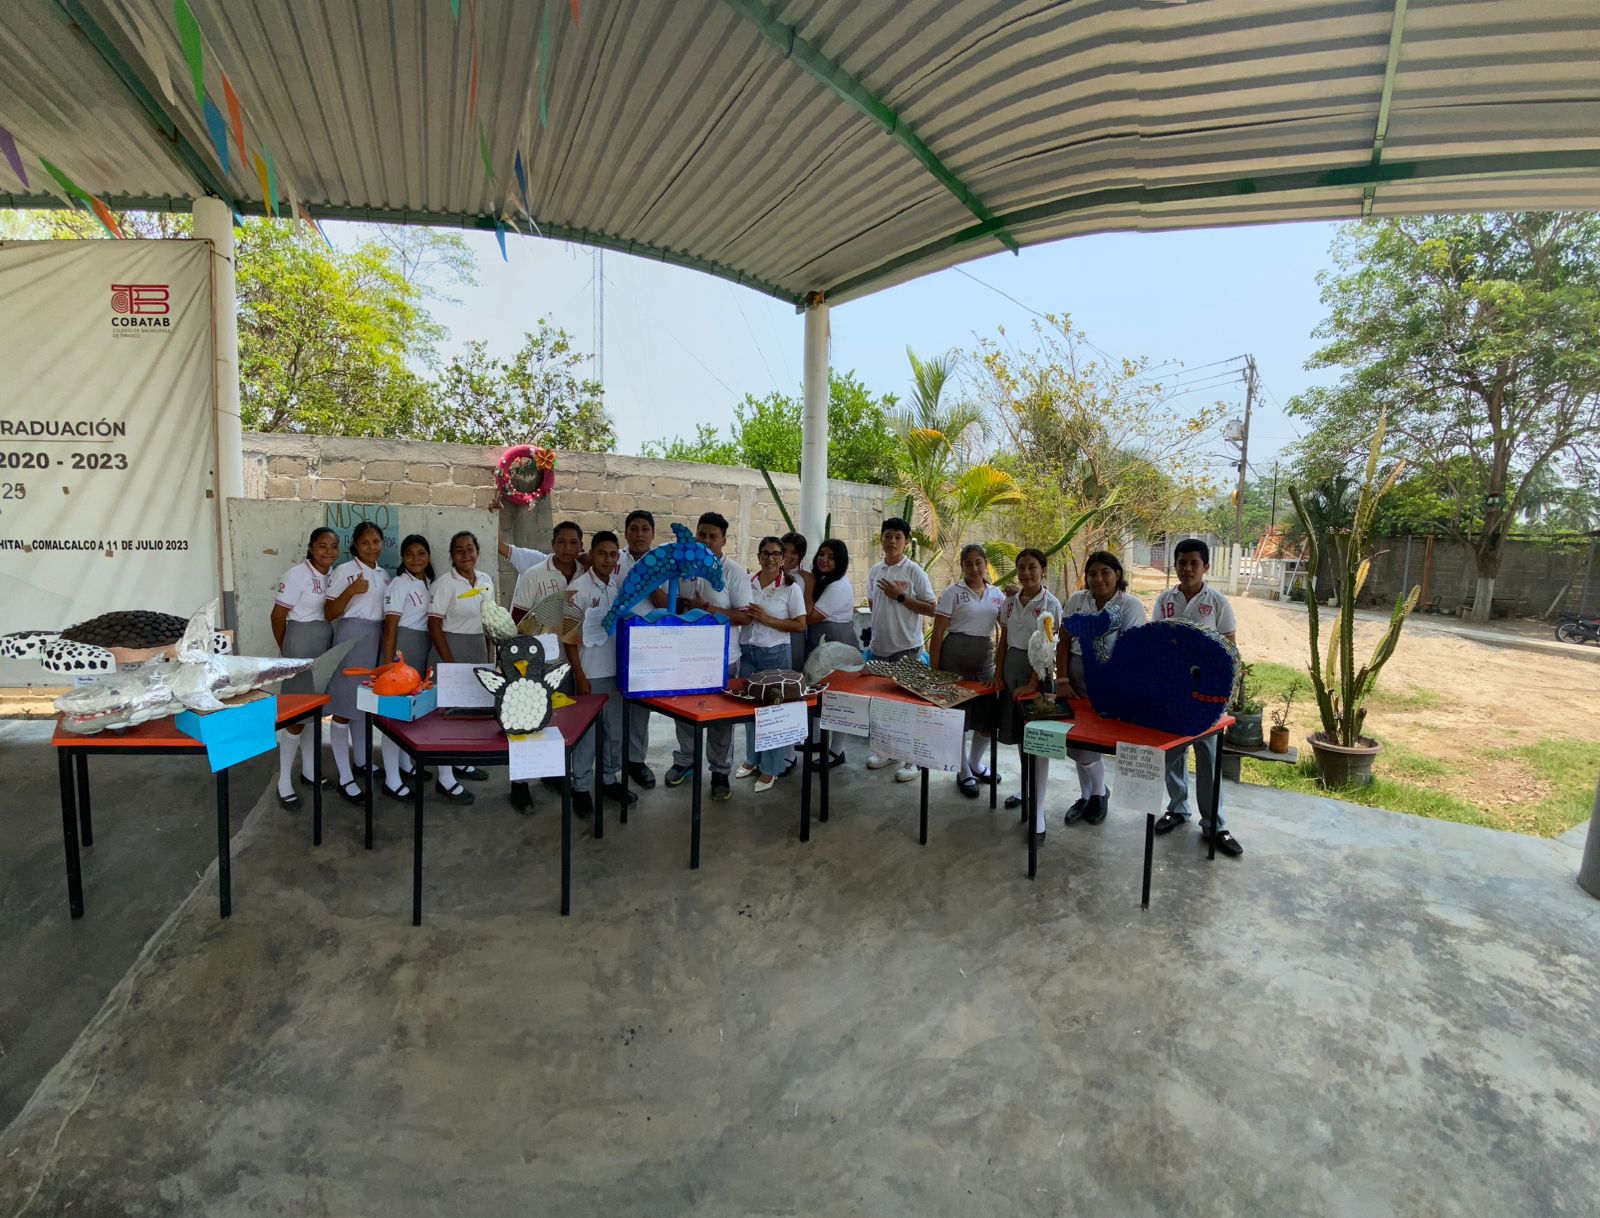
[
  {"x": 925, "y": 735},
  {"x": 1141, "y": 779},
  {"x": 458, "y": 687},
  {"x": 845, "y": 713},
  {"x": 537, "y": 755},
  {"x": 780, "y": 725}
]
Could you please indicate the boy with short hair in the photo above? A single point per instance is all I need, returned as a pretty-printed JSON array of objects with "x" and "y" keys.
[
  {"x": 552, "y": 576},
  {"x": 594, "y": 671},
  {"x": 900, "y": 595},
  {"x": 1193, "y": 600},
  {"x": 711, "y": 531},
  {"x": 639, "y": 531}
]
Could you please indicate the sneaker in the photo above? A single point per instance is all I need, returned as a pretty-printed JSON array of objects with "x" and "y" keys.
[
  {"x": 642, "y": 774},
  {"x": 720, "y": 787},
  {"x": 746, "y": 771},
  {"x": 875, "y": 762},
  {"x": 907, "y": 772},
  {"x": 678, "y": 775},
  {"x": 613, "y": 791},
  {"x": 765, "y": 783}
]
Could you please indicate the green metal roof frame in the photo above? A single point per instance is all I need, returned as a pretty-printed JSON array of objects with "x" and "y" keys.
[
  {"x": 817, "y": 65},
  {"x": 1396, "y": 31},
  {"x": 1370, "y": 174}
]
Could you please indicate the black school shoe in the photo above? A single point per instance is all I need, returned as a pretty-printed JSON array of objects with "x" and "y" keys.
[
  {"x": 289, "y": 802},
  {"x": 1226, "y": 843},
  {"x": 458, "y": 795},
  {"x": 968, "y": 787},
  {"x": 1169, "y": 820},
  {"x": 720, "y": 787},
  {"x": 642, "y": 774},
  {"x": 582, "y": 805},
  {"x": 1077, "y": 812},
  {"x": 521, "y": 797},
  {"x": 470, "y": 773},
  {"x": 1097, "y": 808},
  {"x": 613, "y": 791}
]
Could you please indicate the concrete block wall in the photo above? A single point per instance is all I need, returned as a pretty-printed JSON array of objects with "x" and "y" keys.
[
  {"x": 1532, "y": 576},
  {"x": 595, "y": 489}
]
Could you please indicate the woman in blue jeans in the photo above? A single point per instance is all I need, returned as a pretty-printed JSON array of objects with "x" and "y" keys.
[{"x": 777, "y": 611}]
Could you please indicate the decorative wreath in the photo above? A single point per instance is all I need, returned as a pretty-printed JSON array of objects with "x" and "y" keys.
[{"x": 514, "y": 463}]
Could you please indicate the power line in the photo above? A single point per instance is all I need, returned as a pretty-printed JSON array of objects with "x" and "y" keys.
[
  {"x": 750, "y": 330},
  {"x": 667, "y": 330}
]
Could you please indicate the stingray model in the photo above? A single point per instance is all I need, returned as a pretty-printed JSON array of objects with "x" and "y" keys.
[
  {"x": 1171, "y": 676},
  {"x": 678, "y": 560}
]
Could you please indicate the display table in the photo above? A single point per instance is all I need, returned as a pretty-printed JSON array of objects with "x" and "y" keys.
[
  {"x": 866, "y": 685},
  {"x": 1091, "y": 732},
  {"x": 162, "y": 737},
  {"x": 701, "y": 711},
  {"x": 478, "y": 741}
]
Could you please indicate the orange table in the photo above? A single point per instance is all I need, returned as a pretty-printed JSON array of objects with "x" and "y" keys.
[
  {"x": 161, "y": 736},
  {"x": 700, "y": 711},
  {"x": 864, "y": 684},
  {"x": 1090, "y": 731}
]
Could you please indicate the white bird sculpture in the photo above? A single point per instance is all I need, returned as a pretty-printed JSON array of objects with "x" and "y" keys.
[{"x": 1042, "y": 653}]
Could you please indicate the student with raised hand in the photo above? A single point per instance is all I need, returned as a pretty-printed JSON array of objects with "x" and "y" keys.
[
  {"x": 900, "y": 595},
  {"x": 1019, "y": 621},
  {"x": 1194, "y": 600},
  {"x": 594, "y": 671},
  {"x": 711, "y": 531},
  {"x": 300, "y": 626},
  {"x": 552, "y": 576},
  {"x": 455, "y": 627},
  {"x": 1105, "y": 589},
  {"x": 639, "y": 531},
  {"x": 831, "y": 608},
  {"x": 354, "y": 604},
  {"x": 405, "y": 633},
  {"x": 963, "y": 643},
  {"x": 777, "y": 612}
]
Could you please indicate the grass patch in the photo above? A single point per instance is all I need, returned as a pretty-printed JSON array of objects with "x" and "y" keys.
[
  {"x": 1570, "y": 766},
  {"x": 1390, "y": 793},
  {"x": 1413, "y": 699},
  {"x": 1275, "y": 678}
]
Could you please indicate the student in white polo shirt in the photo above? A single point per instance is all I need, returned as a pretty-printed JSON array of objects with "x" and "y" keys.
[
  {"x": 455, "y": 628},
  {"x": 300, "y": 625},
  {"x": 777, "y": 613},
  {"x": 1193, "y": 600},
  {"x": 552, "y": 576},
  {"x": 900, "y": 596},
  {"x": 354, "y": 603},
  {"x": 594, "y": 671},
  {"x": 711, "y": 531},
  {"x": 963, "y": 643},
  {"x": 639, "y": 534}
]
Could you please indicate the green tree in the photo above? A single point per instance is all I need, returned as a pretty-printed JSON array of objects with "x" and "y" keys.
[
  {"x": 706, "y": 447},
  {"x": 1476, "y": 335},
  {"x": 535, "y": 397}
]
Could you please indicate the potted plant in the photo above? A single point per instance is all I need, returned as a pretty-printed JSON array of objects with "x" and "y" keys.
[
  {"x": 1344, "y": 755},
  {"x": 1246, "y": 708},
  {"x": 1278, "y": 740}
]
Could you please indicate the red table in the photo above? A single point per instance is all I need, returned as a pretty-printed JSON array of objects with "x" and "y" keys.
[
  {"x": 161, "y": 736},
  {"x": 438, "y": 739},
  {"x": 866, "y": 685},
  {"x": 1090, "y": 731},
  {"x": 700, "y": 711}
]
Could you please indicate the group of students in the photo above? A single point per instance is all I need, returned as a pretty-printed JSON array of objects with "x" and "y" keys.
[{"x": 780, "y": 612}]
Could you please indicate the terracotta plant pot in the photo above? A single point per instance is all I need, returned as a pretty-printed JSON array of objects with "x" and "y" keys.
[
  {"x": 1279, "y": 740},
  {"x": 1339, "y": 766}
]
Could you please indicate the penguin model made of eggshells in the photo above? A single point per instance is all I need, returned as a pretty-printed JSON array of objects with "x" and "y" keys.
[{"x": 524, "y": 690}]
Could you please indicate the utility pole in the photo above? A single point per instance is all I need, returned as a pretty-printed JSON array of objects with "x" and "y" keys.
[
  {"x": 1273, "y": 527},
  {"x": 1244, "y": 450}
]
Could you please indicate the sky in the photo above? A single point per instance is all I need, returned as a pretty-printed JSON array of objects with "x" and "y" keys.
[{"x": 683, "y": 347}]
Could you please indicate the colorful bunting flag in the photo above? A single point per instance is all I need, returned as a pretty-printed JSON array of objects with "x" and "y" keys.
[
  {"x": 235, "y": 116},
  {"x": 107, "y": 220},
  {"x": 219, "y": 131},
  {"x": 261, "y": 176},
  {"x": 574, "y": 12},
  {"x": 483, "y": 147},
  {"x": 455, "y": 9},
  {"x": 154, "y": 56},
  {"x": 544, "y": 62},
  {"x": 9, "y": 147},
  {"x": 500, "y": 236},
  {"x": 522, "y": 184},
  {"x": 72, "y": 189},
  {"x": 189, "y": 36}
]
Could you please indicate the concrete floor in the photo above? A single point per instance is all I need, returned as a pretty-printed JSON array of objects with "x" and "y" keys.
[{"x": 1369, "y": 1014}]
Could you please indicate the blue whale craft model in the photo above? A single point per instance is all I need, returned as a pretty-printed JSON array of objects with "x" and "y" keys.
[
  {"x": 684, "y": 558},
  {"x": 1170, "y": 676}
]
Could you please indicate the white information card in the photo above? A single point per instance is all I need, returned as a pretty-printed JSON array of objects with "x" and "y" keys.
[
  {"x": 1141, "y": 779},
  {"x": 780, "y": 725},
  {"x": 926, "y": 736},
  {"x": 537, "y": 755},
  {"x": 846, "y": 713},
  {"x": 662, "y": 659},
  {"x": 457, "y": 686}
]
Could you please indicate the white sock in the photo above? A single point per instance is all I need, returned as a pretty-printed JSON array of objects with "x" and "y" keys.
[
  {"x": 339, "y": 741},
  {"x": 1092, "y": 778},
  {"x": 307, "y": 761},
  {"x": 288, "y": 750},
  {"x": 447, "y": 777},
  {"x": 358, "y": 739},
  {"x": 977, "y": 754},
  {"x": 1042, "y": 779},
  {"x": 390, "y": 752},
  {"x": 965, "y": 772}
]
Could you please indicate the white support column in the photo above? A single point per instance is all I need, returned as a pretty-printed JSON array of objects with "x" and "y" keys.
[
  {"x": 814, "y": 437},
  {"x": 213, "y": 221}
]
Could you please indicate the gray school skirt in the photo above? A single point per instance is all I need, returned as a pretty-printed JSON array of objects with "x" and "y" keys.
[
  {"x": 342, "y": 689},
  {"x": 971, "y": 657},
  {"x": 468, "y": 648},
  {"x": 416, "y": 646},
  {"x": 1015, "y": 673},
  {"x": 304, "y": 641}
]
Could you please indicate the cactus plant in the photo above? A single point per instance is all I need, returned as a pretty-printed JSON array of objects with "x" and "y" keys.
[{"x": 1340, "y": 687}]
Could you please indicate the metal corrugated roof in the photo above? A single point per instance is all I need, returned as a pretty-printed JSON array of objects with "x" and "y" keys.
[{"x": 750, "y": 138}]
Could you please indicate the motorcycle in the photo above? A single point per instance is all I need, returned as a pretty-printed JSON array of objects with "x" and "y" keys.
[{"x": 1575, "y": 629}]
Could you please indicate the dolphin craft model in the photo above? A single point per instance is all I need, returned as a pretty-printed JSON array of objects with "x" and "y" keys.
[
  {"x": 682, "y": 559},
  {"x": 1170, "y": 676}
]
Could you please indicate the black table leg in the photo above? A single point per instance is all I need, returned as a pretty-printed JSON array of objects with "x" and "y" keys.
[
  {"x": 598, "y": 727},
  {"x": 922, "y": 831},
  {"x": 566, "y": 837},
  {"x": 994, "y": 770},
  {"x": 69, "y": 833},
  {"x": 1027, "y": 775},
  {"x": 1216, "y": 793},
  {"x": 827, "y": 765},
  {"x": 623, "y": 752},
  {"x": 316, "y": 777},
  {"x": 805, "y": 783},
  {"x": 85, "y": 825},
  {"x": 416, "y": 848},
  {"x": 1149, "y": 856},
  {"x": 224, "y": 876},
  {"x": 694, "y": 798},
  {"x": 367, "y": 727},
  {"x": 1030, "y": 809}
]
